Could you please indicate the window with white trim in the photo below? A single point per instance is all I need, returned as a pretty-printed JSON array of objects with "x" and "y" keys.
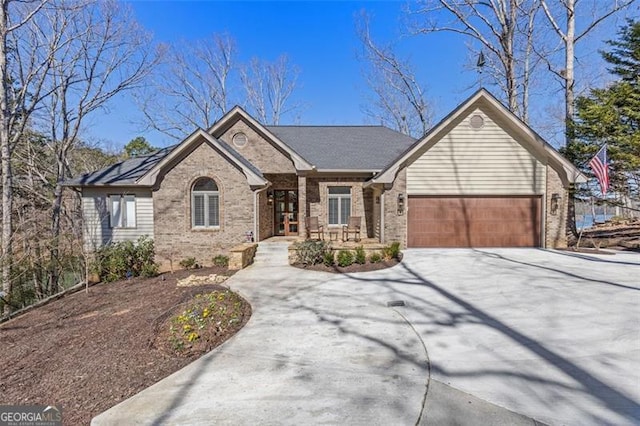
[
  {"x": 205, "y": 204},
  {"x": 339, "y": 205},
  {"x": 122, "y": 211}
]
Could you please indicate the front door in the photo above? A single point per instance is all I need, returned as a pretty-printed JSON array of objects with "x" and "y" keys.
[{"x": 286, "y": 212}]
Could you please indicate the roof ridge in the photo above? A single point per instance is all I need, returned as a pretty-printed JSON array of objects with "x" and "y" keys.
[{"x": 327, "y": 125}]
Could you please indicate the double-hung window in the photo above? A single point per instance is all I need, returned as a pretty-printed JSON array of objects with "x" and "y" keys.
[
  {"x": 205, "y": 204},
  {"x": 122, "y": 209},
  {"x": 339, "y": 205}
]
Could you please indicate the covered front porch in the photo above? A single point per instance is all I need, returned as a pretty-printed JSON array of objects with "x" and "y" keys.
[{"x": 284, "y": 206}]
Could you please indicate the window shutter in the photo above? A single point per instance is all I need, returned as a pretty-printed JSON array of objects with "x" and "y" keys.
[
  {"x": 130, "y": 211},
  {"x": 214, "y": 210},
  {"x": 333, "y": 211},
  {"x": 116, "y": 215},
  {"x": 345, "y": 209},
  {"x": 198, "y": 210}
]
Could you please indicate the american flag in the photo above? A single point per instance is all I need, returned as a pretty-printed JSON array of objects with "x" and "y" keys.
[{"x": 600, "y": 167}]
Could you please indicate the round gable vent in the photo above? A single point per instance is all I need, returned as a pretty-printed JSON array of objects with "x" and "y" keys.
[
  {"x": 240, "y": 139},
  {"x": 476, "y": 121}
]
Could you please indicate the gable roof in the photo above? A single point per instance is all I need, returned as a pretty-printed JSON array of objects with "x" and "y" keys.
[
  {"x": 569, "y": 173},
  {"x": 344, "y": 148},
  {"x": 122, "y": 173},
  {"x": 253, "y": 175},
  {"x": 238, "y": 113}
]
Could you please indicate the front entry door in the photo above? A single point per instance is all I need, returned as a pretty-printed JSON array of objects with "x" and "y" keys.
[{"x": 286, "y": 212}]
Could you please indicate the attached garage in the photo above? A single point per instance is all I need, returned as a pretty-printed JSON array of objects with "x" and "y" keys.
[
  {"x": 474, "y": 221},
  {"x": 480, "y": 178}
]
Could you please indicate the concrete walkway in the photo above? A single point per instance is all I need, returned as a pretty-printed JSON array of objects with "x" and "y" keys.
[
  {"x": 311, "y": 354},
  {"x": 551, "y": 335}
]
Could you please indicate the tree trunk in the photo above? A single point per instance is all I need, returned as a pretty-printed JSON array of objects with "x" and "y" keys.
[
  {"x": 54, "y": 251},
  {"x": 5, "y": 154},
  {"x": 569, "y": 69}
]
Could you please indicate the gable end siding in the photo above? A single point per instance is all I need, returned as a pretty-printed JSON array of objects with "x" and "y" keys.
[{"x": 485, "y": 161}]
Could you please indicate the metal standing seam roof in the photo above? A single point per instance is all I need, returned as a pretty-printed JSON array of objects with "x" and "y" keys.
[
  {"x": 125, "y": 172},
  {"x": 344, "y": 147}
]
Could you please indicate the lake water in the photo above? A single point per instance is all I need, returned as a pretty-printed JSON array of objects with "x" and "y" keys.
[{"x": 587, "y": 220}]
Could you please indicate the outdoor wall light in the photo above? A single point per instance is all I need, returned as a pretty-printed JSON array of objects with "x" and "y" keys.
[
  {"x": 555, "y": 203},
  {"x": 400, "y": 204},
  {"x": 270, "y": 197}
]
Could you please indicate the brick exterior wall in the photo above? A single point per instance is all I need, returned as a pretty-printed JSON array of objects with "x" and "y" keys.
[
  {"x": 556, "y": 224},
  {"x": 174, "y": 237},
  {"x": 302, "y": 206},
  {"x": 361, "y": 201},
  {"x": 395, "y": 225},
  {"x": 261, "y": 153}
]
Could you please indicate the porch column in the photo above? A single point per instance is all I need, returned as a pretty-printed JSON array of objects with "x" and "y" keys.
[{"x": 302, "y": 205}]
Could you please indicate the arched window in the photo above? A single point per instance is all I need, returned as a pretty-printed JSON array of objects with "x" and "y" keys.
[{"x": 205, "y": 204}]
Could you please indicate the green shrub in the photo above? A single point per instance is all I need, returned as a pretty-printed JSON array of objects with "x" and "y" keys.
[
  {"x": 391, "y": 251},
  {"x": 375, "y": 257},
  {"x": 188, "y": 263},
  {"x": 311, "y": 252},
  {"x": 221, "y": 260},
  {"x": 345, "y": 258},
  {"x": 360, "y": 257},
  {"x": 125, "y": 259},
  {"x": 328, "y": 258}
]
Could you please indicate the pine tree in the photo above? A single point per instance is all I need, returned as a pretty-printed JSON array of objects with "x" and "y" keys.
[{"x": 611, "y": 115}]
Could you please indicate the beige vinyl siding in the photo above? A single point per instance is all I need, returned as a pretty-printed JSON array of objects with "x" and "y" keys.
[
  {"x": 467, "y": 161},
  {"x": 95, "y": 207}
]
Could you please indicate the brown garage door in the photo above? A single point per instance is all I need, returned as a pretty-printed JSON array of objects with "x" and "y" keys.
[{"x": 474, "y": 221}]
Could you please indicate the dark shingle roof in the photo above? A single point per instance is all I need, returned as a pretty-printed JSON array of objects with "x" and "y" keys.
[
  {"x": 326, "y": 147},
  {"x": 124, "y": 172},
  {"x": 344, "y": 147}
]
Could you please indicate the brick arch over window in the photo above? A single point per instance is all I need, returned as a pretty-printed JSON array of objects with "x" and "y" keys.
[{"x": 205, "y": 203}]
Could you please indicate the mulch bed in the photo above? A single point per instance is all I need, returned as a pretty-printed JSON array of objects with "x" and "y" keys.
[
  {"x": 366, "y": 267},
  {"x": 87, "y": 352}
]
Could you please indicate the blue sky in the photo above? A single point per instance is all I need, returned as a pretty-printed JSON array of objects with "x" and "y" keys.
[{"x": 318, "y": 37}]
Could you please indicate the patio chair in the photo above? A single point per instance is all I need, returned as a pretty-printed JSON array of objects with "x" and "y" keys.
[
  {"x": 313, "y": 227},
  {"x": 352, "y": 227}
]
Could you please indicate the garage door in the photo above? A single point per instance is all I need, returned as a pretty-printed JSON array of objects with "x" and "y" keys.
[{"x": 474, "y": 221}]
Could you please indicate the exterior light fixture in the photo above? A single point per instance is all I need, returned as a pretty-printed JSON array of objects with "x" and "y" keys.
[
  {"x": 555, "y": 203},
  {"x": 270, "y": 197},
  {"x": 400, "y": 204}
]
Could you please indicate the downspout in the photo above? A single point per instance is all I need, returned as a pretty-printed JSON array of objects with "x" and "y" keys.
[
  {"x": 382, "y": 213},
  {"x": 256, "y": 236}
]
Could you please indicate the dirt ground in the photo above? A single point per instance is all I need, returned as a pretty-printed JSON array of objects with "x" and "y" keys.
[{"x": 87, "y": 352}]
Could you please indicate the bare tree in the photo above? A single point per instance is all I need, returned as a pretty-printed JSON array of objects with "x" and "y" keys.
[
  {"x": 269, "y": 86},
  {"x": 400, "y": 100},
  {"x": 504, "y": 29},
  {"x": 562, "y": 20},
  {"x": 105, "y": 54},
  {"x": 191, "y": 88},
  {"x": 13, "y": 116}
]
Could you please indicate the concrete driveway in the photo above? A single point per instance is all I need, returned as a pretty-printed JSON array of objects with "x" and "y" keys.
[{"x": 552, "y": 335}]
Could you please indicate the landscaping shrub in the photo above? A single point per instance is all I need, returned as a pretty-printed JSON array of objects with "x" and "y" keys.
[
  {"x": 345, "y": 258},
  {"x": 311, "y": 252},
  {"x": 391, "y": 251},
  {"x": 205, "y": 316},
  {"x": 188, "y": 263},
  {"x": 375, "y": 257},
  {"x": 125, "y": 259},
  {"x": 328, "y": 258},
  {"x": 360, "y": 257},
  {"x": 221, "y": 260}
]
